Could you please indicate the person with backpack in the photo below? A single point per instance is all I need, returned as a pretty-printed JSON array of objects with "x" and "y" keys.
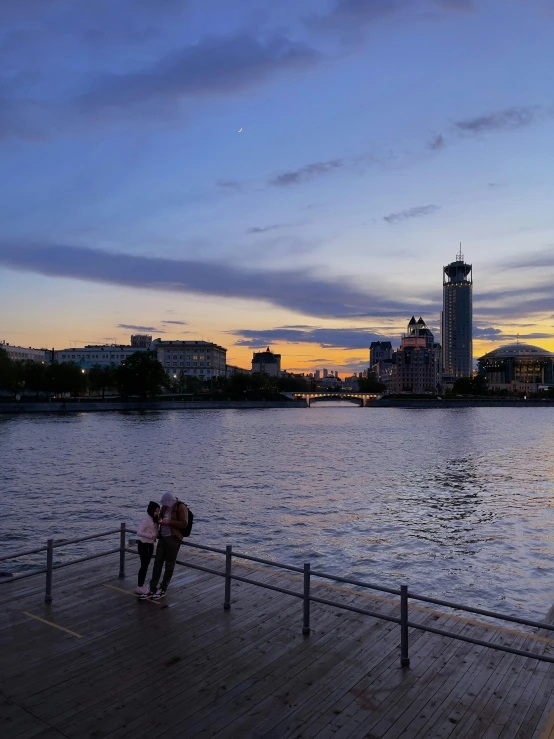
[{"x": 174, "y": 521}]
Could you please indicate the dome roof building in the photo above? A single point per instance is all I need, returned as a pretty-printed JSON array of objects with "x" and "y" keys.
[{"x": 522, "y": 367}]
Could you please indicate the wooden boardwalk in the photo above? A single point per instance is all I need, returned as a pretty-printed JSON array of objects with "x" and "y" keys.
[{"x": 98, "y": 663}]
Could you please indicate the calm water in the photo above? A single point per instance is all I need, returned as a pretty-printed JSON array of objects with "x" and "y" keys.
[{"x": 452, "y": 502}]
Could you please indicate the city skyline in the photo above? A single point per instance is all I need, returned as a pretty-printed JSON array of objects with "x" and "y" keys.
[{"x": 375, "y": 137}]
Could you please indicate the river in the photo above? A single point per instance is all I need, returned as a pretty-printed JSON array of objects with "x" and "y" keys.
[{"x": 456, "y": 503}]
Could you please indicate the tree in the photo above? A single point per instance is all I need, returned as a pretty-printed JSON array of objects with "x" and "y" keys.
[
  {"x": 35, "y": 377},
  {"x": 463, "y": 386},
  {"x": 7, "y": 370},
  {"x": 101, "y": 378},
  {"x": 288, "y": 384},
  {"x": 370, "y": 384},
  {"x": 470, "y": 386},
  {"x": 66, "y": 377},
  {"x": 192, "y": 384},
  {"x": 142, "y": 375},
  {"x": 480, "y": 385}
]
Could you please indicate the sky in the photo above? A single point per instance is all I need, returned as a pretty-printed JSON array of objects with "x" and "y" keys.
[{"x": 291, "y": 174}]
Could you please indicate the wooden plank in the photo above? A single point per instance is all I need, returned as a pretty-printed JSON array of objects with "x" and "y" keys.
[
  {"x": 303, "y": 711},
  {"x": 543, "y": 695},
  {"x": 437, "y": 701},
  {"x": 453, "y": 710},
  {"x": 99, "y": 676},
  {"x": 148, "y": 682},
  {"x": 250, "y": 658},
  {"x": 18, "y": 723},
  {"x": 375, "y": 696},
  {"x": 305, "y": 688},
  {"x": 283, "y": 687}
]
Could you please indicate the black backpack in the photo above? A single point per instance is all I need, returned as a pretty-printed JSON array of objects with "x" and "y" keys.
[{"x": 186, "y": 531}]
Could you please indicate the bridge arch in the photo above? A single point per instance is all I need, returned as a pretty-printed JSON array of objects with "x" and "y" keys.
[
  {"x": 326, "y": 397},
  {"x": 361, "y": 399}
]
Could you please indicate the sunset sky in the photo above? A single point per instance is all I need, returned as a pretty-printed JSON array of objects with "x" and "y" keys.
[{"x": 376, "y": 136}]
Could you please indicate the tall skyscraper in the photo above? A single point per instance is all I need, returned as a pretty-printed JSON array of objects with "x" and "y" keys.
[{"x": 457, "y": 318}]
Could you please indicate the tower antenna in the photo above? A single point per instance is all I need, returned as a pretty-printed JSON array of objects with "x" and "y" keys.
[{"x": 459, "y": 255}]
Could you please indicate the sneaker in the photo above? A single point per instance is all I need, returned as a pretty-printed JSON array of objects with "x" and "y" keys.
[
  {"x": 159, "y": 594},
  {"x": 141, "y": 590},
  {"x": 148, "y": 594}
]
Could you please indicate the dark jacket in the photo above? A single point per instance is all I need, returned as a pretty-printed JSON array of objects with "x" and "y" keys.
[{"x": 178, "y": 520}]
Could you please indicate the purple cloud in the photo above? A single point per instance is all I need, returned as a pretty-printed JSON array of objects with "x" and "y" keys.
[
  {"x": 417, "y": 212},
  {"x": 328, "y": 338},
  {"x": 509, "y": 119},
  {"x": 265, "y": 229},
  {"x": 296, "y": 290},
  {"x": 216, "y": 66},
  {"x": 308, "y": 172},
  {"x": 437, "y": 143},
  {"x": 140, "y": 328}
]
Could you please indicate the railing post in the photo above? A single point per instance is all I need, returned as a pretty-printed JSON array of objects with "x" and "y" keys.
[
  {"x": 306, "y": 623},
  {"x": 49, "y": 568},
  {"x": 122, "y": 533},
  {"x": 228, "y": 562},
  {"x": 404, "y": 658}
]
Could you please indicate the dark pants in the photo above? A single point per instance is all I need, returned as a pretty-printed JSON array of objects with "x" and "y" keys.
[
  {"x": 167, "y": 551},
  {"x": 145, "y": 553}
]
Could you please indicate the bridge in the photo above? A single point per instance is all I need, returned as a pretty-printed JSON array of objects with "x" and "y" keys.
[{"x": 361, "y": 399}]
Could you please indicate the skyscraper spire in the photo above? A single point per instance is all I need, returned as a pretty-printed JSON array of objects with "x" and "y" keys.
[{"x": 459, "y": 255}]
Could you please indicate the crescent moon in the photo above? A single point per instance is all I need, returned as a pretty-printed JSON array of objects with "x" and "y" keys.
[{"x": 240, "y": 130}]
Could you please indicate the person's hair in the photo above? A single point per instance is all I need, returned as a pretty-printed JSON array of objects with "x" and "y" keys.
[{"x": 152, "y": 506}]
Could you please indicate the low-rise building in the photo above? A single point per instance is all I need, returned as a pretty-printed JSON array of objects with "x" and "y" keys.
[
  {"x": 267, "y": 362},
  {"x": 92, "y": 354},
  {"x": 233, "y": 369},
  {"x": 141, "y": 341},
  {"x": 24, "y": 354},
  {"x": 202, "y": 359}
]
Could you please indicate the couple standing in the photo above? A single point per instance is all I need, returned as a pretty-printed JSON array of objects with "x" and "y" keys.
[{"x": 171, "y": 520}]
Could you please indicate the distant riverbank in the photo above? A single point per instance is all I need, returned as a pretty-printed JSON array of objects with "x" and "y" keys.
[
  {"x": 462, "y": 403},
  {"x": 86, "y": 406}
]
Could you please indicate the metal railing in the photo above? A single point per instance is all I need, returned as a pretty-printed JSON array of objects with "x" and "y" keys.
[
  {"x": 403, "y": 592},
  {"x": 51, "y": 544},
  {"x": 306, "y": 595}
]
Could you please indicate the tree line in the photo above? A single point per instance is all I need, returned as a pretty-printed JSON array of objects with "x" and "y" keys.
[{"x": 141, "y": 375}]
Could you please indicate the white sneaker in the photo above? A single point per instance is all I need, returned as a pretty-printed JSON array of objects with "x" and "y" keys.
[{"x": 141, "y": 590}]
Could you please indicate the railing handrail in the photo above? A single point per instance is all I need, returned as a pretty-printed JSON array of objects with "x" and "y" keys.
[
  {"x": 383, "y": 589},
  {"x": 306, "y": 596},
  {"x": 50, "y": 566},
  {"x": 60, "y": 543},
  {"x": 402, "y": 621}
]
